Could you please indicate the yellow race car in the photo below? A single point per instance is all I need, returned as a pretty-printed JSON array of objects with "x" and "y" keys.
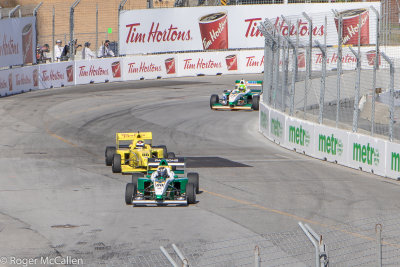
[{"x": 132, "y": 151}]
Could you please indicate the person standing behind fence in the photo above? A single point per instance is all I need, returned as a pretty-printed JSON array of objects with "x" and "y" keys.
[
  {"x": 87, "y": 53},
  {"x": 57, "y": 50},
  {"x": 105, "y": 51}
]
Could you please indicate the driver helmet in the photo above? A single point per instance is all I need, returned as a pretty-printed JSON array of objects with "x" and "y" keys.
[
  {"x": 162, "y": 171},
  {"x": 140, "y": 144},
  {"x": 242, "y": 87}
]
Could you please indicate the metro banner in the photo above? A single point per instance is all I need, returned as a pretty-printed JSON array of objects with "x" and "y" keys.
[
  {"x": 17, "y": 41},
  {"x": 235, "y": 27}
]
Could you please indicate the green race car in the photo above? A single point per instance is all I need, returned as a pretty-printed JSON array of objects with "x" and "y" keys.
[
  {"x": 163, "y": 186},
  {"x": 242, "y": 97}
]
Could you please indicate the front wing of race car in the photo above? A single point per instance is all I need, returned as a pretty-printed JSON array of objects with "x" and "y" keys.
[
  {"x": 182, "y": 202},
  {"x": 228, "y": 107}
]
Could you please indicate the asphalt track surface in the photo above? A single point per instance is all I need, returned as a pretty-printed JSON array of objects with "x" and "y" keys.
[{"x": 57, "y": 197}]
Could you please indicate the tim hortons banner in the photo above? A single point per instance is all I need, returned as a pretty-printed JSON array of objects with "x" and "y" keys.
[
  {"x": 150, "y": 67},
  {"x": 233, "y": 27},
  {"x": 17, "y": 41},
  {"x": 18, "y": 80},
  {"x": 6, "y": 82},
  {"x": 56, "y": 75},
  {"x": 98, "y": 71}
]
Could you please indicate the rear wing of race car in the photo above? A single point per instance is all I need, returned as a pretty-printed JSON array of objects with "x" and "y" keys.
[
  {"x": 252, "y": 84},
  {"x": 124, "y": 137},
  {"x": 177, "y": 164}
]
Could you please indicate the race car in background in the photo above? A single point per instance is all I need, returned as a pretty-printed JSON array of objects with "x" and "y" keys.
[
  {"x": 132, "y": 152},
  {"x": 244, "y": 96},
  {"x": 163, "y": 186}
]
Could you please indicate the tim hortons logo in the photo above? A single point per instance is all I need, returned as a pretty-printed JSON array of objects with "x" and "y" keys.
[
  {"x": 8, "y": 47},
  {"x": 201, "y": 64},
  {"x": 21, "y": 79},
  {"x": 133, "y": 68},
  {"x": 3, "y": 84},
  {"x": 52, "y": 76},
  {"x": 93, "y": 71},
  {"x": 251, "y": 61},
  {"x": 156, "y": 34},
  {"x": 282, "y": 27}
]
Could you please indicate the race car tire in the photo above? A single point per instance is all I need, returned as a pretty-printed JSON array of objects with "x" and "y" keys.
[
  {"x": 193, "y": 178},
  {"x": 130, "y": 193},
  {"x": 256, "y": 102},
  {"x": 109, "y": 153},
  {"x": 190, "y": 193},
  {"x": 135, "y": 177},
  {"x": 116, "y": 164},
  {"x": 170, "y": 155},
  {"x": 214, "y": 100}
]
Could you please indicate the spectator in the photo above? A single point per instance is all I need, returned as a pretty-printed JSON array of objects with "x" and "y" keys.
[
  {"x": 58, "y": 50},
  {"x": 41, "y": 54},
  {"x": 105, "y": 51},
  {"x": 87, "y": 53}
]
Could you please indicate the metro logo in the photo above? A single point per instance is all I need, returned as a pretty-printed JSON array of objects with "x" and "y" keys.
[
  {"x": 276, "y": 128},
  {"x": 365, "y": 154},
  {"x": 264, "y": 120},
  {"x": 299, "y": 136},
  {"x": 330, "y": 145},
  {"x": 395, "y": 163}
]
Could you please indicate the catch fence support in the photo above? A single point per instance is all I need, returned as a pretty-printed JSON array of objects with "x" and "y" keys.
[
  {"x": 185, "y": 262},
  {"x": 276, "y": 61},
  {"x": 268, "y": 57},
  {"x": 357, "y": 90},
  {"x": 169, "y": 258},
  {"x": 323, "y": 80},
  {"x": 321, "y": 255},
  {"x": 71, "y": 30},
  {"x": 120, "y": 8},
  {"x": 391, "y": 97},
  {"x": 376, "y": 67},
  {"x": 378, "y": 231},
  {"x": 15, "y": 9},
  {"x": 339, "y": 64},
  {"x": 308, "y": 62},
  {"x": 257, "y": 258}
]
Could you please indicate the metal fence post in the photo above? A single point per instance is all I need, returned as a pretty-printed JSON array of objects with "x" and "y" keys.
[
  {"x": 323, "y": 80},
  {"x": 184, "y": 260},
  {"x": 339, "y": 68},
  {"x": 53, "y": 35},
  {"x": 357, "y": 90},
  {"x": 277, "y": 61},
  {"x": 257, "y": 259},
  {"x": 293, "y": 85},
  {"x": 378, "y": 231},
  {"x": 120, "y": 8},
  {"x": 309, "y": 61},
  {"x": 314, "y": 242},
  {"x": 391, "y": 90},
  {"x": 170, "y": 259},
  {"x": 97, "y": 27},
  {"x": 71, "y": 29},
  {"x": 376, "y": 67},
  {"x": 268, "y": 57}
]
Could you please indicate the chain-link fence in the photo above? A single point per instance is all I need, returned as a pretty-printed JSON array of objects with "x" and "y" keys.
[
  {"x": 341, "y": 75},
  {"x": 364, "y": 242}
]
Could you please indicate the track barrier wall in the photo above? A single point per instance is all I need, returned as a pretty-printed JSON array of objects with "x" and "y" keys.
[{"x": 346, "y": 148}]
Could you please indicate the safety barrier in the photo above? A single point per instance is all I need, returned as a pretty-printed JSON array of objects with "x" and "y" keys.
[
  {"x": 343, "y": 147},
  {"x": 42, "y": 76}
]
